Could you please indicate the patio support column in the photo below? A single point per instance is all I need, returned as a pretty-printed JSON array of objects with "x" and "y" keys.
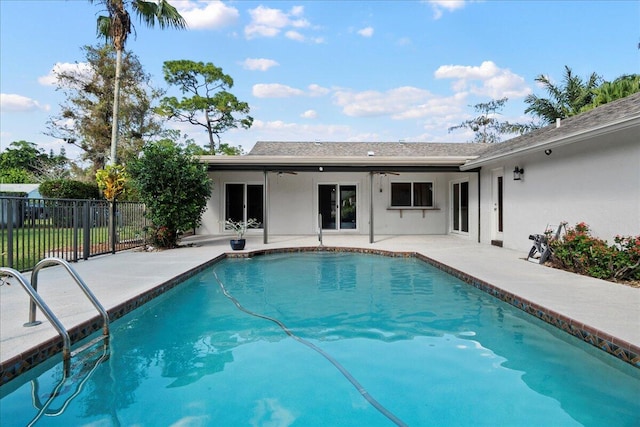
[
  {"x": 479, "y": 205},
  {"x": 265, "y": 205},
  {"x": 371, "y": 207}
]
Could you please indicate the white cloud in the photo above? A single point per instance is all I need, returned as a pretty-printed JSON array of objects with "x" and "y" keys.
[
  {"x": 486, "y": 80},
  {"x": 77, "y": 68},
  {"x": 275, "y": 90},
  {"x": 297, "y": 10},
  {"x": 435, "y": 107},
  {"x": 252, "y": 31},
  {"x": 309, "y": 114},
  {"x": 294, "y": 35},
  {"x": 260, "y": 64},
  {"x": 206, "y": 14},
  {"x": 366, "y": 32},
  {"x": 279, "y": 130},
  {"x": 374, "y": 103},
  {"x": 269, "y": 22},
  {"x": 11, "y": 102},
  {"x": 448, "y": 5},
  {"x": 317, "y": 90}
]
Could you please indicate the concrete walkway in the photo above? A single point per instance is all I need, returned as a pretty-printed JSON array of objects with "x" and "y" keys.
[{"x": 610, "y": 309}]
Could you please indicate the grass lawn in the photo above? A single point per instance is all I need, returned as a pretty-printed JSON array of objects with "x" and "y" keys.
[{"x": 32, "y": 244}]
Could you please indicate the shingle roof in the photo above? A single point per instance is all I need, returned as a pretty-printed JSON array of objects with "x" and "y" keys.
[
  {"x": 363, "y": 149},
  {"x": 612, "y": 112}
]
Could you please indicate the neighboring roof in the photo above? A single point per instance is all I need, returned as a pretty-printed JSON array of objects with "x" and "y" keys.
[
  {"x": 620, "y": 114},
  {"x": 349, "y": 156},
  {"x": 20, "y": 188}
]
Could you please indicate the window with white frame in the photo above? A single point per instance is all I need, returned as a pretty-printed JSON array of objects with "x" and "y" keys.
[{"x": 412, "y": 194}]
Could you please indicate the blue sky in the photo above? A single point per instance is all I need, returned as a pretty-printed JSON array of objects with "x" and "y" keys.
[{"x": 331, "y": 70}]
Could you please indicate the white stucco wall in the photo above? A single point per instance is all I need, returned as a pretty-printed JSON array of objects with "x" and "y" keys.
[
  {"x": 595, "y": 181},
  {"x": 293, "y": 202}
]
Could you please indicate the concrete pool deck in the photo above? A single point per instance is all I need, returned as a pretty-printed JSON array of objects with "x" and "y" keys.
[{"x": 603, "y": 313}]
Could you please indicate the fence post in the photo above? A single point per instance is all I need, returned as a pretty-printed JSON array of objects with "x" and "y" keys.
[
  {"x": 86, "y": 230},
  {"x": 76, "y": 219},
  {"x": 112, "y": 226},
  {"x": 10, "y": 232}
]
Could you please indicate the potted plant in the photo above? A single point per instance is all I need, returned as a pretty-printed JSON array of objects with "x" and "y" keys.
[{"x": 239, "y": 228}]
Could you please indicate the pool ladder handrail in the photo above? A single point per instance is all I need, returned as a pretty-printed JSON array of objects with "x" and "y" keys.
[
  {"x": 43, "y": 408},
  {"x": 76, "y": 277},
  {"x": 36, "y": 300}
]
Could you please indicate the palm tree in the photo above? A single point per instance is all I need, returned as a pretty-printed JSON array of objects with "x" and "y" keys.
[
  {"x": 621, "y": 87},
  {"x": 116, "y": 27},
  {"x": 566, "y": 100}
]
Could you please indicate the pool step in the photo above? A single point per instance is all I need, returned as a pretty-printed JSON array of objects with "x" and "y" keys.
[{"x": 104, "y": 339}]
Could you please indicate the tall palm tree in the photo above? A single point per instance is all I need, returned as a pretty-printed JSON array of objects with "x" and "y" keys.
[
  {"x": 566, "y": 99},
  {"x": 116, "y": 27}
]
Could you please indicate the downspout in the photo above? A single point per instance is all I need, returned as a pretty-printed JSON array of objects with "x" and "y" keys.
[
  {"x": 265, "y": 210},
  {"x": 479, "y": 222}
]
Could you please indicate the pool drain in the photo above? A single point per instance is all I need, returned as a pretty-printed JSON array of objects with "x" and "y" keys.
[{"x": 384, "y": 411}]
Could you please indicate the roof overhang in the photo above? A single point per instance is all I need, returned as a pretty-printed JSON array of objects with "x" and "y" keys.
[
  {"x": 334, "y": 164},
  {"x": 619, "y": 126}
]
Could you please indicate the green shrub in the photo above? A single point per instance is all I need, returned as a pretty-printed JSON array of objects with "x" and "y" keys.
[
  {"x": 581, "y": 253},
  {"x": 174, "y": 187},
  {"x": 69, "y": 189}
]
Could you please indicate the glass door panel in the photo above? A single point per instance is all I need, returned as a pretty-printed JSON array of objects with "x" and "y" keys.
[
  {"x": 255, "y": 197},
  {"x": 327, "y": 206},
  {"x": 348, "y": 207},
  {"x": 461, "y": 207},
  {"x": 234, "y": 202}
]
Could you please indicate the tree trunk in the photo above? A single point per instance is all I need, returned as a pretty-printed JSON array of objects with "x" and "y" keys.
[
  {"x": 116, "y": 107},
  {"x": 210, "y": 132}
]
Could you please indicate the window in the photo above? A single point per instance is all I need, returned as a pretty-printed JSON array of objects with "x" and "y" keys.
[
  {"x": 412, "y": 194},
  {"x": 243, "y": 201}
]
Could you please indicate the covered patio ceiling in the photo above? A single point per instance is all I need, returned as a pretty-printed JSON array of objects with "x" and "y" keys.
[{"x": 335, "y": 164}]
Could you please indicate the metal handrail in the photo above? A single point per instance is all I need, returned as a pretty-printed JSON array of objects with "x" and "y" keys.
[
  {"x": 58, "y": 261},
  {"x": 37, "y": 300},
  {"x": 43, "y": 409}
]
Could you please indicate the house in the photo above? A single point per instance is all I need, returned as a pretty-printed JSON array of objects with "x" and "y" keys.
[
  {"x": 32, "y": 191},
  {"x": 582, "y": 169}
]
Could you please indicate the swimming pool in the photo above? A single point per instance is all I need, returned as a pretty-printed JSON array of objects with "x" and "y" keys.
[{"x": 430, "y": 349}]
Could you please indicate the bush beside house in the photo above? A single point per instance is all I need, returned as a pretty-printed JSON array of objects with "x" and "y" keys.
[{"x": 579, "y": 252}]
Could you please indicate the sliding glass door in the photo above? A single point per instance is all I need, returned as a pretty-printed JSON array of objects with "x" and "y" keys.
[{"x": 338, "y": 206}]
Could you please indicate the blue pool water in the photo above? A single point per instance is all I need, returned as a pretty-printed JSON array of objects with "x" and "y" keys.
[{"x": 429, "y": 349}]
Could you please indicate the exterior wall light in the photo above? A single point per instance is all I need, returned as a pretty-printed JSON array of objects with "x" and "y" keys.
[
  {"x": 518, "y": 174},
  {"x": 548, "y": 152}
]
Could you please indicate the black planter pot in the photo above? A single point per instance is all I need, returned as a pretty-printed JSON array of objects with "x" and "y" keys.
[{"x": 237, "y": 245}]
